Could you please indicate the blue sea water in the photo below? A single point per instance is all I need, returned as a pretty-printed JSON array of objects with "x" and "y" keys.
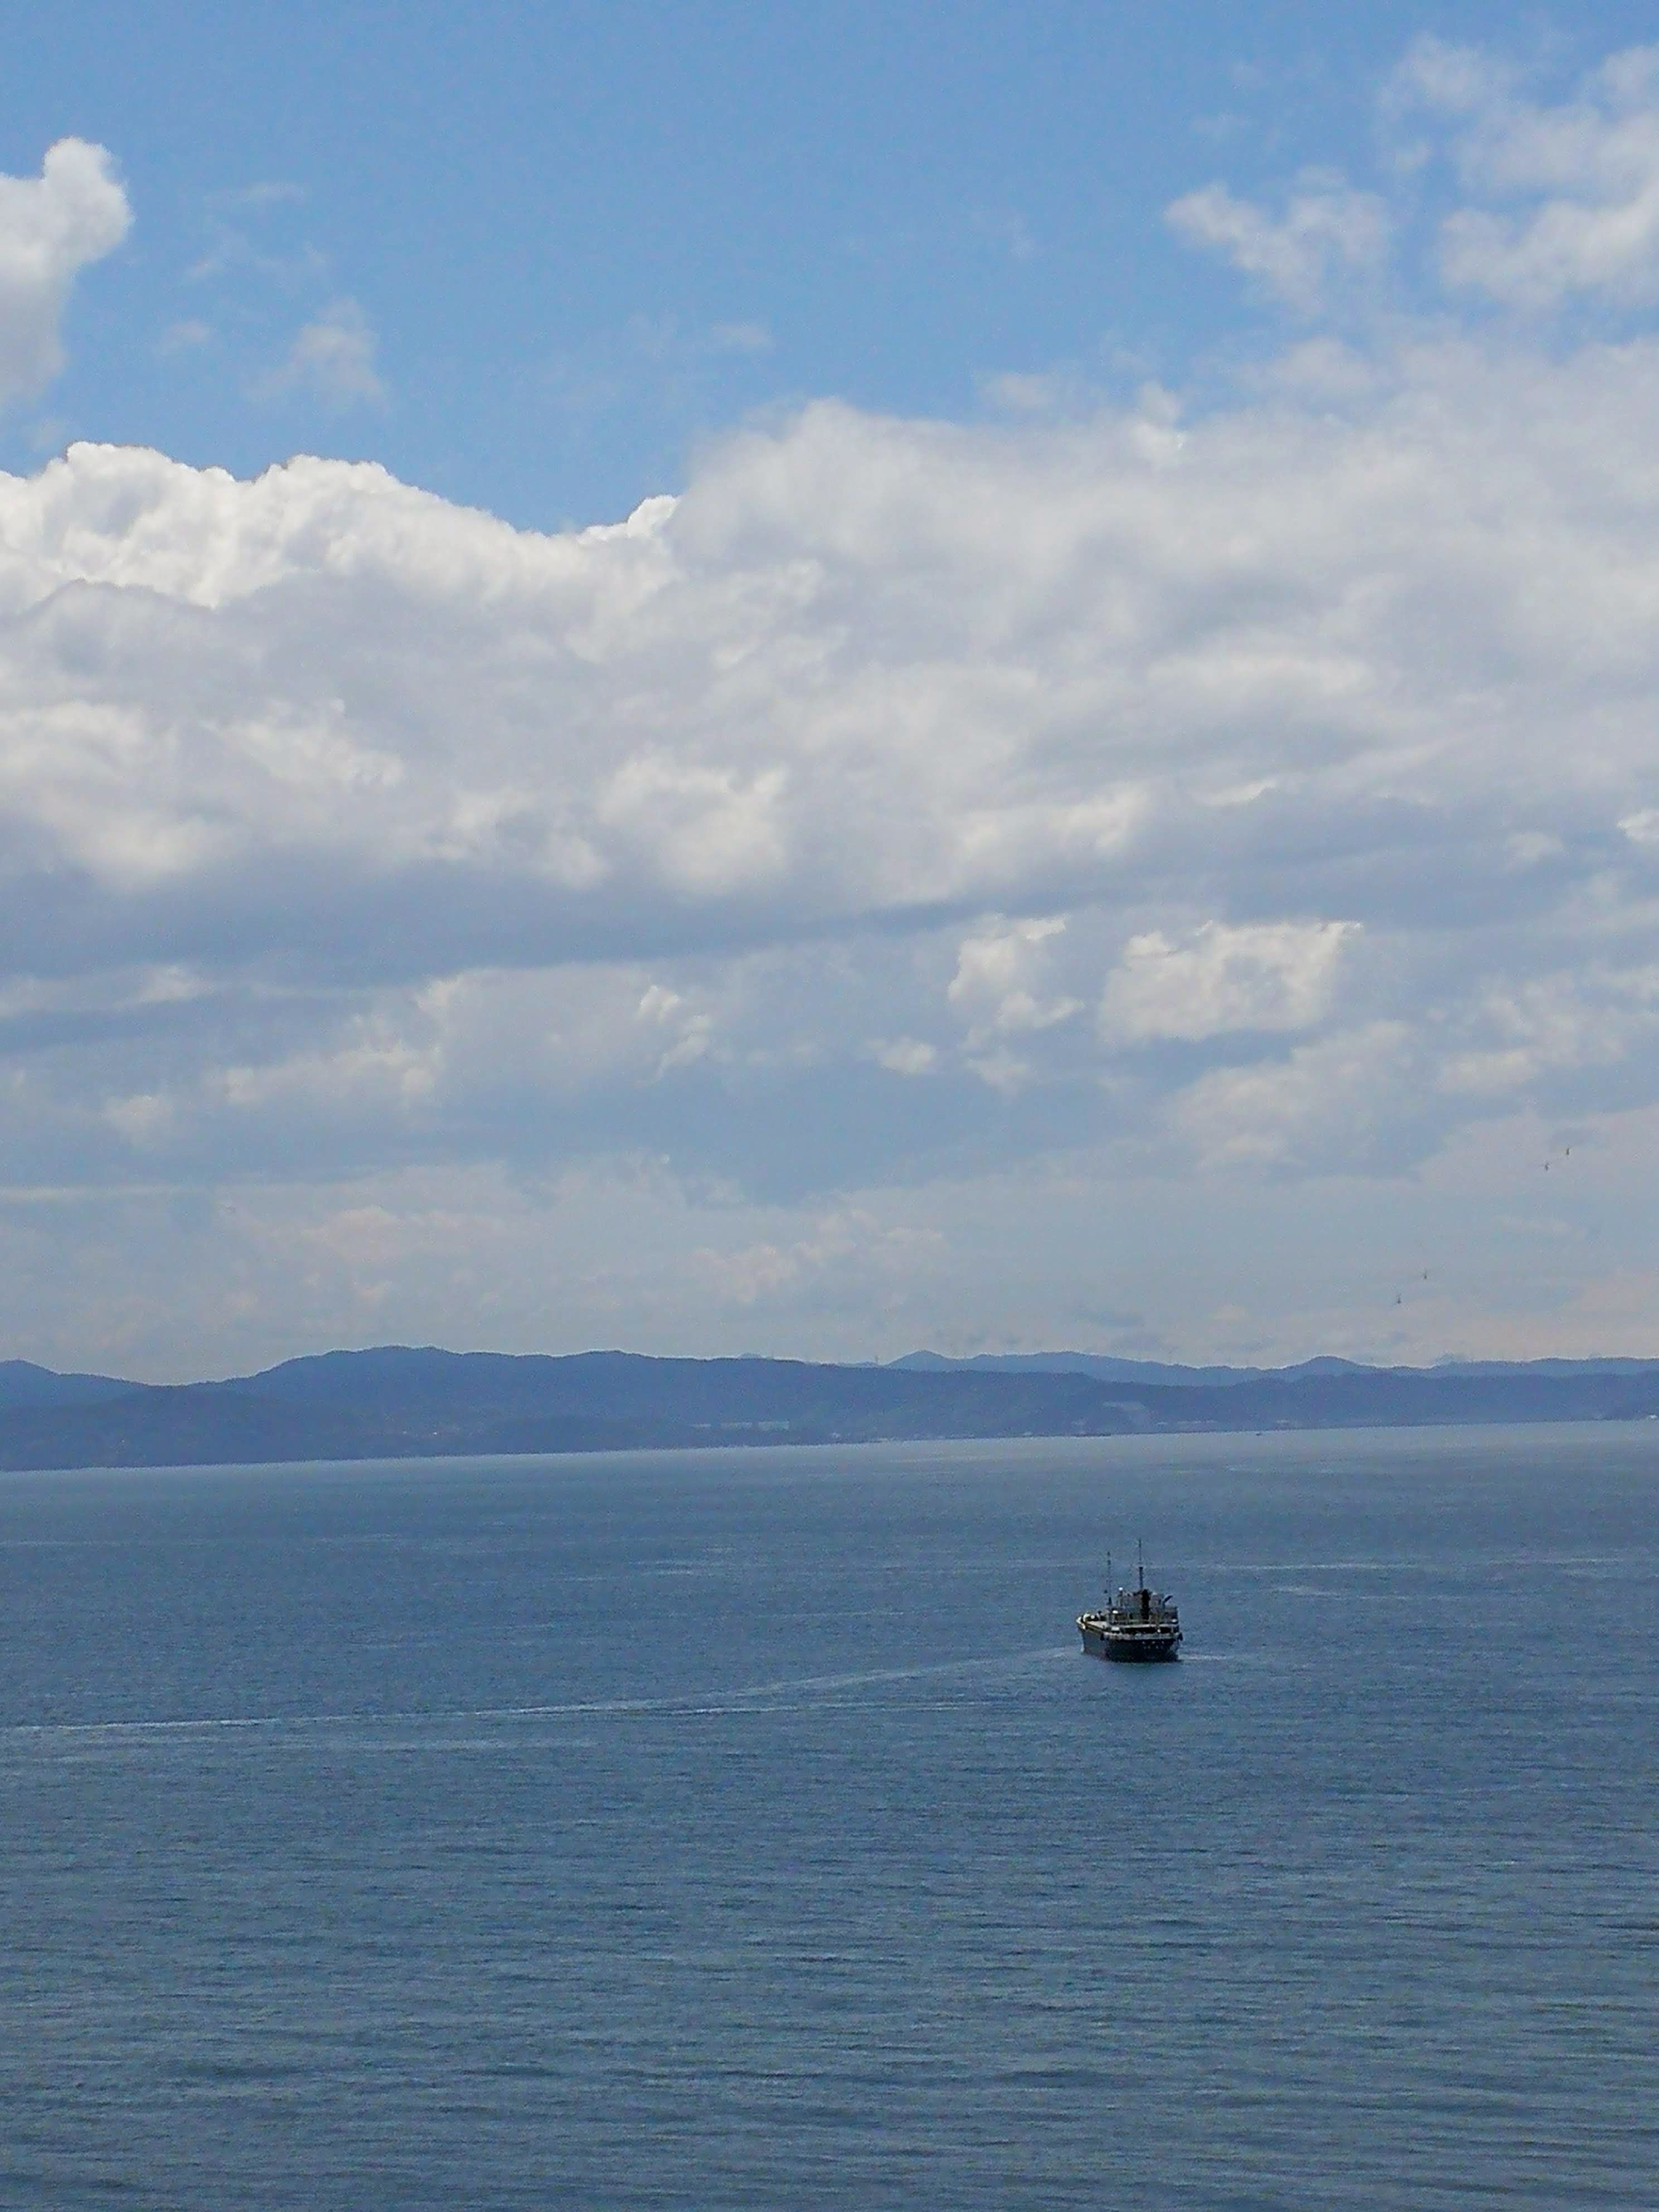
[{"x": 746, "y": 1829}]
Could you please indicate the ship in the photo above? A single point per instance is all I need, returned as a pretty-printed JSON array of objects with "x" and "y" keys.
[{"x": 1136, "y": 1624}]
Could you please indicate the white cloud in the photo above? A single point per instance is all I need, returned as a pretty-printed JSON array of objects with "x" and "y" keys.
[
  {"x": 51, "y": 227},
  {"x": 905, "y": 1055},
  {"x": 1328, "y": 230},
  {"x": 1342, "y": 1102},
  {"x": 883, "y": 731},
  {"x": 332, "y": 359},
  {"x": 1457, "y": 81},
  {"x": 1555, "y": 201},
  {"x": 1258, "y": 976},
  {"x": 1570, "y": 187},
  {"x": 1594, "y": 1019},
  {"x": 997, "y": 986}
]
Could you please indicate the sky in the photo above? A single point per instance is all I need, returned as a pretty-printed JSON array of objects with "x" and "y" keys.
[{"x": 829, "y": 679}]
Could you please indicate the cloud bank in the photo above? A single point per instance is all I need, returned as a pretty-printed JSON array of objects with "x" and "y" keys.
[{"x": 1235, "y": 731}]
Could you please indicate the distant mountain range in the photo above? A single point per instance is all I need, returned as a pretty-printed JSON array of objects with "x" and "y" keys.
[
  {"x": 402, "y": 1402},
  {"x": 1106, "y": 1368},
  {"x": 1158, "y": 1371}
]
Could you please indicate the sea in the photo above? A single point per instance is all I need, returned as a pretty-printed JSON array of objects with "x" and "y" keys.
[{"x": 747, "y": 1829}]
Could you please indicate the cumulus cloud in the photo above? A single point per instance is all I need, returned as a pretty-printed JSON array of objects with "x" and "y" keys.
[
  {"x": 996, "y": 985},
  {"x": 905, "y": 1055},
  {"x": 1272, "y": 975},
  {"x": 1554, "y": 202},
  {"x": 51, "y": 227},
  {"x": 1243, "y": 733},
  {"x": 1576, "y": 182},
  {"x": 997, "y": 992}
]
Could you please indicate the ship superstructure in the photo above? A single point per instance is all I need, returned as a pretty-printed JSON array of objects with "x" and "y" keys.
[{"x": 1141, "y": 1623}]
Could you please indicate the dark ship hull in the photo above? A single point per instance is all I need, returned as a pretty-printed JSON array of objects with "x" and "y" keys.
[
  {"x": 1138, "y": 1624},
  {"x": 1101, "y": 1641}
]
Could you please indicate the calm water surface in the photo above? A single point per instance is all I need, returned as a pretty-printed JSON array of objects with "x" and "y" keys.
[{"x": 747, "y": 1830}]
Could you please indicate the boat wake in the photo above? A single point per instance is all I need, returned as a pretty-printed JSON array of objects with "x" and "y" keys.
[{"x": 783, "y": 1693}]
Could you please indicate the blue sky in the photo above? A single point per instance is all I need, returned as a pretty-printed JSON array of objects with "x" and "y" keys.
[
  {"x": 583, "y": 237},
  {"x": 826, "y": 680}
]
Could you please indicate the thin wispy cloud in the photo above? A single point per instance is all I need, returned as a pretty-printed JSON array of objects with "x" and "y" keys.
[
  {"x": 1324, "y": 230},
  {"x": 184, "y": 336},
  {"x": 271, "y": 191},
  {"x": 332, "y": 359}
]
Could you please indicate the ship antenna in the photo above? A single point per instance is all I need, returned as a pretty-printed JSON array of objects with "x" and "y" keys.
[
  {"x": 1109, "y": 1578},
  {"x": 1140, "y": 1569}
]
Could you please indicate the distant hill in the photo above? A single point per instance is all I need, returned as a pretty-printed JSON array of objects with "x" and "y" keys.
[
  {"x": 403, "y": 1402},
  {"x": 22, "y": 1383},
  {"x": 399, "y": 1402}
]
